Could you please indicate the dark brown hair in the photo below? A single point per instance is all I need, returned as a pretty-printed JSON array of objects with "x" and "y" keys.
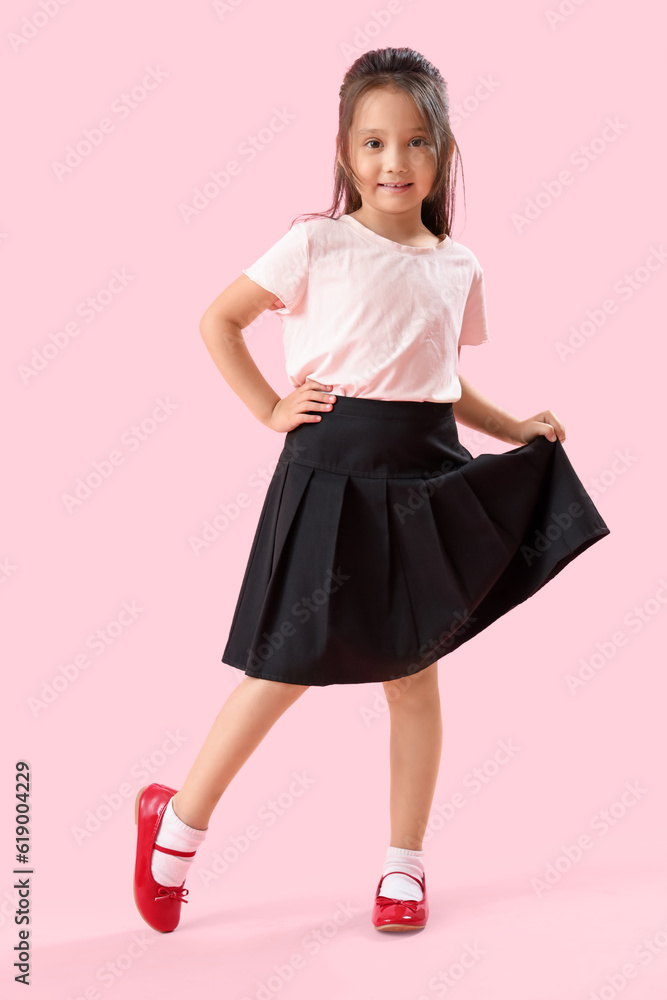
[{"x": 407, "y": 71}]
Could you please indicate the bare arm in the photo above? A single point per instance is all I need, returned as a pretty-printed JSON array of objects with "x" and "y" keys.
[
  {"x": 222, "y": 327},
  {"x": 476, "y": 411}
]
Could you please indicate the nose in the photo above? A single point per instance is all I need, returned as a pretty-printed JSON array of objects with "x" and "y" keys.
[{"x": 394, "y": 159}]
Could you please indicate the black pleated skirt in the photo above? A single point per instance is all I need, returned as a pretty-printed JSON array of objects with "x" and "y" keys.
[{"x": 383, "y": 545}]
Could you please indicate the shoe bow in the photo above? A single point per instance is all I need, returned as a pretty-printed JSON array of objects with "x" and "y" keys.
[
  {"x": 410, "y": 904},
  {"x": 172, "y": 893}
]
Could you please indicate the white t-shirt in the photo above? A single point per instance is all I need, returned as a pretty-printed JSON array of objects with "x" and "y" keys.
[{"x": 370, "y": 316}]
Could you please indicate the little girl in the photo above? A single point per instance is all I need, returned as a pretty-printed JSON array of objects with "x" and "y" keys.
[{"x": 382, "y": 544}]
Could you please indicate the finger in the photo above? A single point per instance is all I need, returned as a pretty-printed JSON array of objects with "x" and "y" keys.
[
  {"x": 549, "y": 417},
  {"x": 558, "y": 428},
  {"x": 313, "y": 404},
  {"x": 551, "y": 420},
  {"x": 315, "y": 396}
]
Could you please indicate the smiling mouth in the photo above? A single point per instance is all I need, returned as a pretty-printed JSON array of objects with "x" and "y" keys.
[{"x": 398, "y": 185}]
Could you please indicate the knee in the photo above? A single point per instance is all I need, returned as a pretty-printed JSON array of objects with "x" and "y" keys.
[{"x": 415, "y": 690}]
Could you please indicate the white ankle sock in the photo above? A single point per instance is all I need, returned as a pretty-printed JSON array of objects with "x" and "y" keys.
[
  {"x": 171, "y": 869},
  {"x": 399, "y": 859}
]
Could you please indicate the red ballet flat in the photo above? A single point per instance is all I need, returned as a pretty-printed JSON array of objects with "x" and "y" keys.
[
  {"x": 159, "y": 905},
  {"x": 400, "y": 914}
]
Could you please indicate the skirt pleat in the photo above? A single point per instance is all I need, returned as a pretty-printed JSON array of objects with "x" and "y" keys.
[{"x": 383, "y": 545}]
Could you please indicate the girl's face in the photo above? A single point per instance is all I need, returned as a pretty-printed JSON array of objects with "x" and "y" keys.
[{"x": 390, "y": 144}]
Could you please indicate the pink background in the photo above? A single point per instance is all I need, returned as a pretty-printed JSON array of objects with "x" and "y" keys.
[{"x": 312, "y": 874}]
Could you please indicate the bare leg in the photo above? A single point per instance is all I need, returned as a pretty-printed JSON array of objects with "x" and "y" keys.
[
  {"x": 415, "y": 751},
  {"x": 242, "y": 723}
]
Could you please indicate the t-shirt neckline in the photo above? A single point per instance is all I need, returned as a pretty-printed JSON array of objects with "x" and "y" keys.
[{"x": 388, "y": 244}]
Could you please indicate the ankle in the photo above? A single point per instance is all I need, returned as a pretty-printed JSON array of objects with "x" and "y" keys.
[
  {"x": 407, "y": 843},
  {"x": 175, "y": 846},
  {"x": 195, "y": 818},
  {"x": 403, "y": 873}
]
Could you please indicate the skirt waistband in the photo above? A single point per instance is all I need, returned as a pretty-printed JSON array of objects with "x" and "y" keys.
[
  {"x": 403, "y": 409},
  {"x": 379, "y": 438}
]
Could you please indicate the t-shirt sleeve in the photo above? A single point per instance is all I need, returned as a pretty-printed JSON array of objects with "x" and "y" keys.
[
  {"x": 474, "y": 327},
  {"x": 283, "y": 269}
]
